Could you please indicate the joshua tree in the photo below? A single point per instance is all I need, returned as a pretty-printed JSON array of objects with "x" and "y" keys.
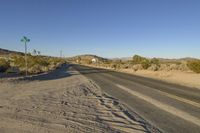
[
  {"x": 34, "y": 52},
  {"x": 38, "y": 52},
  {"x": 25, "y": 40}
]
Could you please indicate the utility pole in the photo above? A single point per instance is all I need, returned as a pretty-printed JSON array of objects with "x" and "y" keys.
[{"x": 25, "y": 40}]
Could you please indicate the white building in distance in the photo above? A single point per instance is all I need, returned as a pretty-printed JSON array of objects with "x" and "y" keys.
[{"x": 94, "y": 60}]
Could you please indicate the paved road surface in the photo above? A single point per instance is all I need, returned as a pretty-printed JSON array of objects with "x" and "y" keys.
[{"x": 172, "y": 108}]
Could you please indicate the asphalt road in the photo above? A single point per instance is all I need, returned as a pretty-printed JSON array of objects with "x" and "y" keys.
[{"x": 171, "y": 108}]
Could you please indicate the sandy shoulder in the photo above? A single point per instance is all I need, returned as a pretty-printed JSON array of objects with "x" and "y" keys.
[
  {"x": 189, "y": 79},
  {"x": 68, "y": 104}
]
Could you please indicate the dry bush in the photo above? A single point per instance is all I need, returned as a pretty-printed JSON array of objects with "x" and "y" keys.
[
  {"x": 4, "y": 65},
  {"x": 155, "y": 61},
  {"x": 183, "y": 67},
  {"x": 164, "y": 67},
  {"x": 146, "y": 63},
  {"x": 154, "y": 67},
  {"x": 114, "y": 66},
  {"x": 138, "y": 59},
  {"x": 18, "y": 61},
  {"x": 86, "y": 61},
  {"x": 194, "y": 66},
  {"x": 137, "y": 67}
]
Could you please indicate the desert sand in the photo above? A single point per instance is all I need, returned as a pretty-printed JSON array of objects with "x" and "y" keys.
[
  {"x": 189, "y": 79},
  {"x": 62, "y": 101}
]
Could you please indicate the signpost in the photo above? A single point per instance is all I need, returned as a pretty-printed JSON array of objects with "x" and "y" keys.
[{"x": 25, "y": 40}]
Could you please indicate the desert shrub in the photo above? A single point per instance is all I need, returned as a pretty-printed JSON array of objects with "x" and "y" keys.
[
  {"x": 56, "y": 60},
  {"x": 86, "y": 61},
  {"x": 18, "y": 61},
  {"x": 155, "y": 61},
  {"x": 164, "y": 67},
  {"x": 137, "y": 67},
  {"x": 146, "y": 64},
  {"x": 183, "y": 67},
  {"x": 43, "y": 62},
  {"x": 114, "y": 66},
  {"x": 141, "y": 60},
  {"x": 125, "y": 66},
  {"x": 37, "y": 64},
  {"x": 4, "y": 65},
  {"x": 154, "y": 67},
  {"x": 194, "y": 66},
  {"x": 12, "y": 70},
  {"x": 138, "y": 59},
  {"x": 174, "y": 67},
  {"x": 37, "y": 60}
]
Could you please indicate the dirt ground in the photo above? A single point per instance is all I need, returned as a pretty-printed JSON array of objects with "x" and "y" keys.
[
  {"x": 189, "y": 79},
  {"x": 62, "y": 101}
]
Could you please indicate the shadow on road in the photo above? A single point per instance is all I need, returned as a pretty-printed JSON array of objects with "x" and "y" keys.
[
  {"x": 65, "y": 71},
  {"x": 62, "y": 72},
  {"x": 10, "y": 75},
  {"x": 89, "y": 70}
]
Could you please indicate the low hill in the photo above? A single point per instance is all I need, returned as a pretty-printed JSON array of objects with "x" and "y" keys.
[
  {"x": 4, "y": 52},
  {"x": 88, "y": 57}
]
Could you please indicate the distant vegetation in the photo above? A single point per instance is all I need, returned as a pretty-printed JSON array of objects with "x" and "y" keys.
[
  {"x": 141, "y": 63},
  {"x": 15, "y": 63},
  {"x": 36, "y": 64}
]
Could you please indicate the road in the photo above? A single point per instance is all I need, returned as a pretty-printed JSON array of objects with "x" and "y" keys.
[{"x": 170, "y": 107}]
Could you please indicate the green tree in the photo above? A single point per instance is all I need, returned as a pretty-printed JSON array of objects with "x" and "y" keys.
[{"x": 34, "y": 52}]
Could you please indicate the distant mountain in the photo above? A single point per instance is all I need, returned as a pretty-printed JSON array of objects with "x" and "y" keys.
[
  {"x": 188, "y": 59},
  {"x": 177, "y": 60},
  {"x": 161, "y": 59},
  {"x": 123, "y": 58},
  {"x": 4, "y": 52}
]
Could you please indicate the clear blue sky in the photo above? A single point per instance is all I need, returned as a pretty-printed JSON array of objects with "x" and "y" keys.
[{"x": 108, "y": 28}]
